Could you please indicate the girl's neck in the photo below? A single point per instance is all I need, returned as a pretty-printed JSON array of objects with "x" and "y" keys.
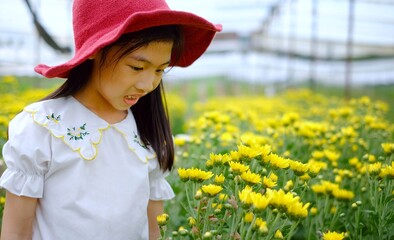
[{"x": 99, "y": 107}]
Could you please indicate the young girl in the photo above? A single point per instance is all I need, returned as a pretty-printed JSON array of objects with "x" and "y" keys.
[{"x": 89, "y": 161}]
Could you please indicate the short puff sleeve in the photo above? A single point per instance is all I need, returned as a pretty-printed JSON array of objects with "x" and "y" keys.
[
  {"x": 160, "y": 189},
  {"x": 27, "y": 155}
]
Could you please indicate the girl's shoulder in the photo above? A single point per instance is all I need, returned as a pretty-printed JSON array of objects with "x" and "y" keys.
[
  {"x": 58, "y": 104},
  {"x": 24, "y": 118}
]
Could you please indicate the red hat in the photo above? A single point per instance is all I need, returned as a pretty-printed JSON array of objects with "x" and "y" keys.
[{"x": 98, "y": 23}]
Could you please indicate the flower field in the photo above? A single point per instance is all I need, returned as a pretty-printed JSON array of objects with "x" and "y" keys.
[
  {"x": 295, "y": 166},
  {"x": 298, "y": 165}
]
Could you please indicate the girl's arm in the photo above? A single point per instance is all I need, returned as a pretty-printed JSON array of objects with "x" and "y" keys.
[
  {"x": 18, "y": 216},
  {"x": 155, "y": 208}
]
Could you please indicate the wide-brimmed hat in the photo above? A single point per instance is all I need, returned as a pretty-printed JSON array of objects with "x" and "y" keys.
[{"x": 98, "y": 23}]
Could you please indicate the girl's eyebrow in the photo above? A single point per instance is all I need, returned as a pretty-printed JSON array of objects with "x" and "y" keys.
[{"x": 142, "y": 59}]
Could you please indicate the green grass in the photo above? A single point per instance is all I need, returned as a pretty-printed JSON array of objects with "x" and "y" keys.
[{"x": 26, "y": 83}]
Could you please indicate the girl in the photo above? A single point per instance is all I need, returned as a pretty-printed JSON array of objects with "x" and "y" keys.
[{"x": 89, "y": 161}]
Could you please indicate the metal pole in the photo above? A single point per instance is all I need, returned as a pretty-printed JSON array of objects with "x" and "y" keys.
[
  {"x": 312, "y": 70},
  {"x": 291, "y": 38},
  {"x": 349, "y": 50}
]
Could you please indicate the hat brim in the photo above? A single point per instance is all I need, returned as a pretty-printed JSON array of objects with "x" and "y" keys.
[{"x": 198, "y": 34}]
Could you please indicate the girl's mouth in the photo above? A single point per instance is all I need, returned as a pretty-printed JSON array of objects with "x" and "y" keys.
[{"x": 130, "y": 100}]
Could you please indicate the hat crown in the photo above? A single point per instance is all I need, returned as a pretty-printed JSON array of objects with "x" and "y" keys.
[{"x": 95, "y": 18}]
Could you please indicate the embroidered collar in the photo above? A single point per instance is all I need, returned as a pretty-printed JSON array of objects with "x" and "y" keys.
[{"x": 82, "y": 130}]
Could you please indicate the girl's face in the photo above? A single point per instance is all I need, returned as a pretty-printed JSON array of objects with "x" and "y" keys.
[{"x": 118, "y": 85}]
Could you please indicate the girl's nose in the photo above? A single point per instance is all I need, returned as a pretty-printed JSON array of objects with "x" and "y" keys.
[{"x": 147, "y": 83}]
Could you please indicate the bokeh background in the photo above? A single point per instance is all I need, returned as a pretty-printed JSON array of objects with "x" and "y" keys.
[{"x": 311, "y": 78}]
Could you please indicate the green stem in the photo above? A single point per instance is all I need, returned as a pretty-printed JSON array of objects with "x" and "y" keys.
[
  {"x": 335, "y": 217},
  {"x": 191, "y": 210},
  {"x": 272, "y": 227},
  {"x": 292, "y": 228},
  {"x": 311, "y": 224},
  {"x": 235, "y": 222},
  {"x": 206, "y": 215},
  {"x": 358, "y": 222},
  {"x": 250, "y": 228}
]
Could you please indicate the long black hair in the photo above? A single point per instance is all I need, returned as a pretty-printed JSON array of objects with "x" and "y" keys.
[{"x": 150, "y": 112}]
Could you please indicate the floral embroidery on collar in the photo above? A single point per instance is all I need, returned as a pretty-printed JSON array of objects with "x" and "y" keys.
[
  {"x": 77, "y": 133},
  {"x": 53, "y": 118},
  {"x": 83, "y": 137},
  {"x": 138, "y": 140},
  {"x": 136, "y": 145}
]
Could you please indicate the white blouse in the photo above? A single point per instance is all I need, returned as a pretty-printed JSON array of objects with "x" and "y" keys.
[{"x": 93, "y": 179}]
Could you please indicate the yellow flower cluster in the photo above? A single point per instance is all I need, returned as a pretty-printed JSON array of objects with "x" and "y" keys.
[
  {"x": 211, "y": 189},
  {"x": 333, "y": 189},
  {"x": 217, "y": 159},
  {"x": 288, "y": 203},
  {"x": 162, "y": 219},
  {"x": 249, "y": 198},
  {"x": 333, "y": 236},
  {"x": 194, "y": 174},
  {"x": 388, "y": 148}
]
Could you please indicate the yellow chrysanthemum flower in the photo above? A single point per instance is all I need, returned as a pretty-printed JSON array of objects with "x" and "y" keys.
[
  {"x": 298, "y": 210},
  {"x": 388, "y": 148},
  {"x": 218, "y": 159},
  {"x": 223, "y": 197},
  {"x": 194, "y": 174},
  {"x": 314, "y": 169},
  {"x": 370, "y": 158},
  {"x": 333, "y": 236},
  {"x": 299, "y": 168},
  {"x": 237, "y": 167},
  {"x": 317, "y": 154},
  {"x": 183, "y": 231},
  {"x": 313, "y": 211},
  {"x": 219, "y": 179},
  {"x": 343, "y": 194},
  {"x": 162, "y": 219},
  {"x": 387, "y": 171},
  {"x": 278, "y": 234},
  {"x": 248, "y": 218},
  {"x": 211, "y": 189},
  {"x": 262, "y": 227},
  {"x": 374, "y": 169},
  {"x": 332, "y": 155},
  {"x": 277, "y": 161},
  {"x": 349, "y": 132},
  {"x": 305, "y": 177},
  {"x": 248, "y": 152},
  {"x": 192, "y": 221},
  {"x": 273, "y": 177},
  {"x": 260, "y": 202},
  {"x": 198, "y": 195},
  {"x": 183, "y": 174},
  {"x": 251, "y": 178},
  {"x": 268, "y": 183},
  {"x": 288, "y": 186},
  {"x": 179, "y": 141},
  {"x": 245, "y": 196},
  {"x": 217, "y": 206}
]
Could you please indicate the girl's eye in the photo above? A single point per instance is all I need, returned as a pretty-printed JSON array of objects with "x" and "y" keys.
[
  {"x": 165, "y": 70},
  {"x": 136, "y": 68}
]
